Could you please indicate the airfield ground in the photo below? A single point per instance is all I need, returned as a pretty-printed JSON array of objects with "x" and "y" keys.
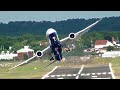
[
  {"x": 83, "y": 72},
  {"x": 36, "y": 70}
]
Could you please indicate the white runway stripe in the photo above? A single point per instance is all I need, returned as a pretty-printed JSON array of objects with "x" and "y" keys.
[
  {"x": 101, "y": 78},
  {"x": 98, "y": 73},
  {"x": 94, "y": 76},
  {"x": 104, "y": 73},
  {"x": 58, "y": 75},
  {"x": 49, "y": 72},
  {"x": 79, "y": 72},
  {"x": 74, "y": 74},
  {"x": 59, "y": 78},
  {"x": 110, "y": 66},
  {"x": 52, "y": 75},
  {"x": 69, "y": 75},
  {"x": 63, "y": 75},
  {"x": 82, "y": 74},
  {"x": 87, "y": 74},
  {"x": 109, "y": 72},
  {"x": 93, "y": 73}
]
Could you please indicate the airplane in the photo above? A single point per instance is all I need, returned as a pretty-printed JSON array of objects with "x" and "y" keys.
[{"x": 55, "y": 47}]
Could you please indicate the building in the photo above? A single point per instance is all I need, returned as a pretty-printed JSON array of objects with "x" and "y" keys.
[
  {"x": 102, "y": 43},
  {"x": 111, "y": 54},
  {"x": 25, "y": 53},
  {"x": 8, "y": 56}
]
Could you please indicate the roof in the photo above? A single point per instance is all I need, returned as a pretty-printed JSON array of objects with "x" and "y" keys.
[
  {"x": 25, "y": 49},
  {"x": 100, "y": 42}
]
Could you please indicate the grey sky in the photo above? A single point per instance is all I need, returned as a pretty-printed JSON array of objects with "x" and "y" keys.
[{"x": 6, "y": 16}]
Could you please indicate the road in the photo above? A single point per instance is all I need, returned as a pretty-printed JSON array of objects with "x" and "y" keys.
[{"x": 83, "y": 72}]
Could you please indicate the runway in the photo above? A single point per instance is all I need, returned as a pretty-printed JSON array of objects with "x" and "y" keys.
[{"x": 83, "y": 72}]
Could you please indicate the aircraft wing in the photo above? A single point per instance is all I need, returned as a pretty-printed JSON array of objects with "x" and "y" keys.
[
  {"x": 44, "y": 51},
  {"x": 79, "y": 33}
]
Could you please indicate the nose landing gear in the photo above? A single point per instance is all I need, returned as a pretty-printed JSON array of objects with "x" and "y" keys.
[{"x": 52, "y": 59}]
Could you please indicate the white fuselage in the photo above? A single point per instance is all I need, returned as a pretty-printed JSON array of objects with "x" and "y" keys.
[
  {"x": 55, "y": 44},
  {"x": 49, "y": 32}
]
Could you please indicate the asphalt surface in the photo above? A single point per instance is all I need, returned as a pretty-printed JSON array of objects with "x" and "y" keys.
[{"x": 83, "y": 72}]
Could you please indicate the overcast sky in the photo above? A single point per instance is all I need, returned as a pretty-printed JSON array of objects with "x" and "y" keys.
[{"x": 6, "y": 16}]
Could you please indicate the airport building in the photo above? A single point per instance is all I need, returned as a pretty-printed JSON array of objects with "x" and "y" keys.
[
  {"x": 111, "y": 54},
  {"x": 25, "y": 53},
  {"x": 102, "y": 43},
  {"x": 8, "y": 56}
]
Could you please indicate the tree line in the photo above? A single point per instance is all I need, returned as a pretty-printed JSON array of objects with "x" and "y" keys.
[
  {"x": 18, "y": 42},
  {"x": 18, "y": 28}
]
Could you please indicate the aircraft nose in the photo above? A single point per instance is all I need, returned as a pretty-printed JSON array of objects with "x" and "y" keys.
[{"x": 49, "y": 31}]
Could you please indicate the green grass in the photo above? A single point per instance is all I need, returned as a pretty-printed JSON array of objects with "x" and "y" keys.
[{"x": 28, "y": 71}]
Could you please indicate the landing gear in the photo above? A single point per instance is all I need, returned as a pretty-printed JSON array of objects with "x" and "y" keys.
[{"x": 52, "y": 59}]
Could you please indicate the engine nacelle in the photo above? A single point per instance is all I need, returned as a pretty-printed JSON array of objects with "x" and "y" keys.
[
  {"x": 39, "y": 53},
  {"x": 72, "y": 35}
]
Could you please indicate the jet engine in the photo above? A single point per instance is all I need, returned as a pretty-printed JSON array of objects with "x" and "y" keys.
[
  {"x": 39, "y": 53},
  {"x": 71, "y": 35}
]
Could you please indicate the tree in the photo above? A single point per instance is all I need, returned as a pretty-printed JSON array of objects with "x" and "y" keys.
[
  {"x": 18, "y": 28},
  {"x": 110, "y": 48}
]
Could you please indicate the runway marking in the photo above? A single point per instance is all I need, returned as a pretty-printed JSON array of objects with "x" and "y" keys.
[
  {"x": 82, "y": 74},
  {"x": 93, "y": 73},
  {"x": 101, "y": 78},
  {"x": 69, "y": 74},
  {"x": 63, "y": 75},
  {"x": 52, "y": 75},
  {"x": 59, "y": 78},
  {"x": 49, "y": 72},
  {"x": 87, "y": 74},
  {"x": 79, "y": 72},
  {"x": 94, "y": 76},
  {"x": 113, "y": 76},
  {"x": 109, "y": 72},
  {"x": 98, "y": 73},
  {"x": 104, "y": 73},
  {"x": 58, "y": 75},
  {"x": 74, "y": 74}
]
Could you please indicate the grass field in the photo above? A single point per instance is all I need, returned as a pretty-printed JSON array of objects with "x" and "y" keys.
[
  {"x": 32, "y": 70},
  {"x": 36, "y": 70}
]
